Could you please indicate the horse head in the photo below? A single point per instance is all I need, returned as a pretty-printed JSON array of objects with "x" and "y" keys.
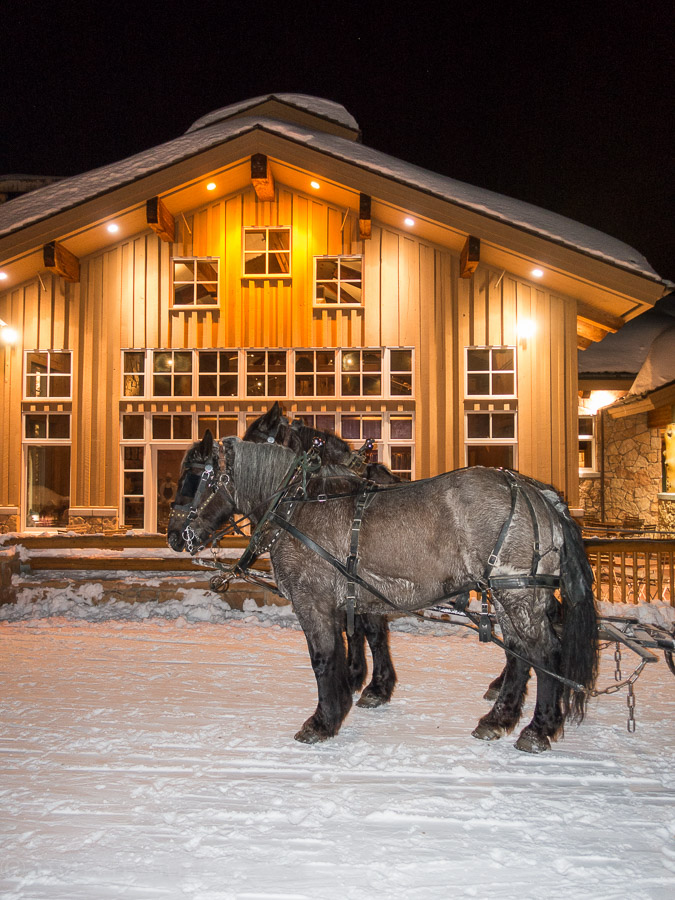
[{"x": 199, "y": 491}]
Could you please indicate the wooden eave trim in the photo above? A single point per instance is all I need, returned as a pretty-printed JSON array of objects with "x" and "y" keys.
[
  {"x": 663, "y": 396},
  {"x": 640, "y": 291},
  {"x": 158, "y": 217},
  {"x": 60, "y": 261}
]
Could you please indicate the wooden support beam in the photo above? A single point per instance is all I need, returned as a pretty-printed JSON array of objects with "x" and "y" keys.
[
  {"x": 586, "y": 329},
  {"x": 469, "y": 257},
  {"x": 61, "y": 261},
  {"x": 261, "y": 176},
  {"x": 583, "y": 343},
  {"x": 365, "y": 221},
  {"x": 160, "y": 219},
  {"x": 599, "y": 317}
]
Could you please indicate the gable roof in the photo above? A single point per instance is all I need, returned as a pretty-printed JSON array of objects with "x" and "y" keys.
[{"x": 228, "y": 124}]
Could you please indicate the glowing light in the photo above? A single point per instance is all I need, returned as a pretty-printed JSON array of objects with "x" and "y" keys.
[
  {"x": 315, "y": 185},
  {"x": 8, "y": 335},
  {"x": 3, "y": 276},
  {"x": 211, "y": 186},
  {"x": 526, "y": 328},
  {"x": 408, "y": 221},
  {"x": 600, "y": 399},
  {"x": 113, "y": 228},
  {"x": 537, "y": 273}
]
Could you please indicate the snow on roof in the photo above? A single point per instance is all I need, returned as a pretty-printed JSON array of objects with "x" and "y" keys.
[
  {"x": 658, "y": 369},
  {"x": 325, "y": 109},
  {"x": 66, "y": 194}
]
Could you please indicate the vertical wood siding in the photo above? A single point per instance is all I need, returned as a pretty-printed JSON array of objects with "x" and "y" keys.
[{"x": 413, "y": 296}]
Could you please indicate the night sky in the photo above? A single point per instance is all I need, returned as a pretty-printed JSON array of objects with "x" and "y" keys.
[{"x": 568, "y": 108}]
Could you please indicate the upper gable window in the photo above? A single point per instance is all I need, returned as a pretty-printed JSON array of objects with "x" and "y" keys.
[
  {"x": 338, "y": 280},
  {"x": 48, "y": 374},
  {"x": 490, "y": 372},
  {"x": 195, "y": 282},
  {"x": 267, "y": 252}
]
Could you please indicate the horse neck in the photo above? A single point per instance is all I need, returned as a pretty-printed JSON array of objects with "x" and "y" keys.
[
  {"x": 301, "y": 439},
  {"x": 259, "y": 470}
]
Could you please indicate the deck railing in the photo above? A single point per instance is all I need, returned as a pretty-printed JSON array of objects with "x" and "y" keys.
[{"x": 633, "y": 570}]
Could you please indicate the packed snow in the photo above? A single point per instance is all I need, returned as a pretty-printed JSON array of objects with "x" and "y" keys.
[{"x": 147, "y": 752}]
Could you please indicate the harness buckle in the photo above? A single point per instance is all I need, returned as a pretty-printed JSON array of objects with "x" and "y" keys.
[
  {"x": 492, "y": 559},
  {"x": 322, "y": 498}
]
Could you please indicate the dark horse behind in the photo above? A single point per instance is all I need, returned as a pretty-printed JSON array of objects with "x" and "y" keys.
[
  {"x": 444, "y": 531},
  {"x": 273, "y": 427}
]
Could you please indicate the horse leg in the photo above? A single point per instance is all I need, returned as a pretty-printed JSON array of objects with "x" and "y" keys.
[
  {"x": 547, "y": 720},
  {"x": 329, "y": 662},
  {"x": 505, "y": 713},
  {"x": 495, "y": 686},
  {"x": 383, "y": 681},
  {"x": 356, "y": 655}
]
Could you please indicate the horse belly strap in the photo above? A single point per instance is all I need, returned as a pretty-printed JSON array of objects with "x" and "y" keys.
[{"x": 353, "y": 558}]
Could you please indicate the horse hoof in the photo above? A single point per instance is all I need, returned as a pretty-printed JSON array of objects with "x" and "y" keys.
[
  {"x": 370, "y": 701},
  {"x": 491, "y": 694},
  {"x": 530, "y": 742},
  {"x": 487, "y": 732},
  {"x": 309, "y": 736}
]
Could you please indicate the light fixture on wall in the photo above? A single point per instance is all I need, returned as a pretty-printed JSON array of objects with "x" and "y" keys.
[
  {"x": 408, "y": 221},
  {"x": 525, "y": 329},
  {"x": 3, "y": 276},
  {"x": 537, "y": 273},
  {"x": 8, "y": 335},
  {"x": 113, "y": 227},
  {"x": 315, "y": 185},
  {"x": 211, "y": 186}
]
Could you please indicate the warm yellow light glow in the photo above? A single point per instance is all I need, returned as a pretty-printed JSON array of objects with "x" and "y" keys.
[
  {"x": 600, "y": 399},
  {"x": 8, "y": 335},
  {"x": 526, "y": 328},
  {"x": 537, "y": 273},
  {"x": 315, "y": 185},
  {"x": 3, "y": 276},
  {"x": 113, "y": 228},
  {"x": 211, "y": 186},
  {"x": 408, "y": 221}
]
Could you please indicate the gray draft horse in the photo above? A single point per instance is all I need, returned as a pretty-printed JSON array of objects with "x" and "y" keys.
[
  {"x": 443, "y": 532},
  {"x": 273, "y": 427}
]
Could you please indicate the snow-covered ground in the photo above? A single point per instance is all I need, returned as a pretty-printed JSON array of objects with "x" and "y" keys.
[{"x": 148, "y": 752}]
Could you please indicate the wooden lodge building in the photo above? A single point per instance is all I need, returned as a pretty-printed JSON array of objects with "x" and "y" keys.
[{"x": 267, "y": 254}]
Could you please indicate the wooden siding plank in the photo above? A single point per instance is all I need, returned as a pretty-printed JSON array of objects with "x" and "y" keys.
[
  {"x": 139, "y": 334},
  {"x": 525, "y": 374},
  {"x": 372, "y": 250},
  {"x": 390, "y": 288}
]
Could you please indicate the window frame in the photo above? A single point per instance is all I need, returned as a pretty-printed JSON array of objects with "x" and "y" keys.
[
  {"x": 44, "y": 442},
  {"x": 48, "y": 398},
  {"x": 490, "y": 372},
  {"x": 182, "y": 307},
  {"x": 339, "y": 257},
  {"x": 490, "y": 441},
  {"x": 592, "y": 439},
  {"x": 266, "y": 275}
]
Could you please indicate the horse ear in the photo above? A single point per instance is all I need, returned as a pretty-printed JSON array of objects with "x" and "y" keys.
[
  {"x": 206, "y": 446},
  {"x": 273, "y": 414}
]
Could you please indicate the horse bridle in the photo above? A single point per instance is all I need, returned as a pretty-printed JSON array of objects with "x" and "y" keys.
[{"x": 211, "y": 482}]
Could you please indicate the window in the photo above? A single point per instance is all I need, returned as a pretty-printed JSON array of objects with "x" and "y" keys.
[
  {"x": 218, "y": 373},
  {"x": 47, "y": 460},
  {"x": 195, "y": 282},
  {"x": 177, "y": 427},
  {"x": 586, "y": 443},
  {"x": 315, "y": 373},
  {"x": 172, "y": 373},
  {"x": 361, "y": 373},
  {"x": 400, "y": 373},
  {"x": 219, "y": 426},
  {"x": 338, "y": 280},
  {"x": 133, "y": 366},
  {"x": 266, "y": 373},
  {"x": 490, "y": 372},
  {"x": 133, "y": 496},
  {"x": 48, "y": 374},
  {"x": 491, "y": 438},
  {"x": 267, "y": 252}
]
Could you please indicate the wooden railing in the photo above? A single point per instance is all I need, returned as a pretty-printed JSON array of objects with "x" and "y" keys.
[
  {"x": 627, "y": 570},
  {"x": 633, "y": 570}
]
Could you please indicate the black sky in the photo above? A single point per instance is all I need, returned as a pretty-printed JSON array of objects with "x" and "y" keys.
[{"x": 570, "y": 107}]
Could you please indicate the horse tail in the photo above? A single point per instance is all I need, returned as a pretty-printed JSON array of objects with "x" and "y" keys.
[{"x": 579, "y": 636}]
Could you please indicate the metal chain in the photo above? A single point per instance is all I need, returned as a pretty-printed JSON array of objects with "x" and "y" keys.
[
  {"x": 630, "y": 700},
  {"x": 617, "y": 660}
]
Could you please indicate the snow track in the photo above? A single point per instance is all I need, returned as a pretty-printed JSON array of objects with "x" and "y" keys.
[{"x": 156, "y": 759}]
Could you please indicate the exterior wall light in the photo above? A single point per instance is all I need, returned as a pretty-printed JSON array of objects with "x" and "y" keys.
[
  {"x": 211, "y": 186},
  {"x": 113, "y": 228},
  {"x": 8, "y": 335},
  {"x": 408, "y": 221},
  {"x": 3, "y": 276},
  {"x": 315, "y": 185},
  {"x": 537, "y": 273}
]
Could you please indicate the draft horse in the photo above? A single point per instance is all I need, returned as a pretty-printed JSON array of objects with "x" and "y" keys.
[
  {"x": 273, "y": 427},
  {"x": 419, "y": 542}
]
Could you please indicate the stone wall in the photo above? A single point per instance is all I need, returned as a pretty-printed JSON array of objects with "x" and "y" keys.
[
  {"x": 633, "y": 475},
  {"x": 9, "y": 524},
  {"x": 589, "y": 496}
]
